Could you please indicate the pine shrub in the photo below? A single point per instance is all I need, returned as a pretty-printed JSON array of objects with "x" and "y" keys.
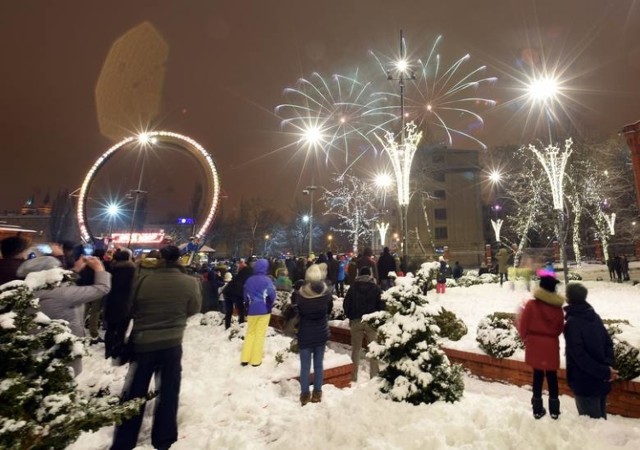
[
  {"x": 417, "y": 369},
  {"x": 497, "y": 335},
  {"x": 626, "y": 356},
  {"x": 40, "y": 404},
  {"x": 450, "y": 326}
]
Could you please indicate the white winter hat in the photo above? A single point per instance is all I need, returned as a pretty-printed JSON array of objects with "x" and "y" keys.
[
  {"x": 227, "y": 277},
  {"x": 37, "y": 264},
  {"x": 316, "y": 272}
]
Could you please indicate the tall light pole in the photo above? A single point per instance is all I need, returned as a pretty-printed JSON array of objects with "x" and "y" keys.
[
  {"x": 309, "y": 190},
  {"x": 401, "y": 153}
]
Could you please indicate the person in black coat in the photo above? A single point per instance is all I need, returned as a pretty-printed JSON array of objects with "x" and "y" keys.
[
  {"x": 117, "y": 304},
  {"x": 589, "y": 352},
  {"x": 364, "y": 297},
  {"x": 234, "y": 295},
  {"x": 314, "y": 302},
  {"x": 386, "y": 264}
]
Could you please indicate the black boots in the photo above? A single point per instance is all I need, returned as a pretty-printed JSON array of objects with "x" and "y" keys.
[
  {"x": 538, "y": 409},
  {"x": 554, "y": 408}
]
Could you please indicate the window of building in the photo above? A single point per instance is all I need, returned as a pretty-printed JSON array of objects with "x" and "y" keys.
[
  {"x": 441, "y": 213},
  {"x": 441, "y": 233},
  {"x": 438, "y": 176},
  {"x": 440, "y": 194}
]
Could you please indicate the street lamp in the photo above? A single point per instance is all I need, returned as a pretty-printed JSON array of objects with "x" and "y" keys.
[
  {"x": 113, "y": 210},
  {"x": 329, "y": 241},
  {"x": 309, "y": 190},
  {"x": 401, "y": 153},
  {"x": 266, "y": 240},
  {"x": 545, "y": 90}
]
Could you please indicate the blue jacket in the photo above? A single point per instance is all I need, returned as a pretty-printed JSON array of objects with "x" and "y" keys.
[
  {"x": 341, "y": 272},
  {"x": 259, "y": 291},
  {"x": 589, "y": 351}
]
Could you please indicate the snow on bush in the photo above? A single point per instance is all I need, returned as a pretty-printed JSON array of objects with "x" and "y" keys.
[
  {"x": 417, "y": 370},
  {"x": 498, "y": 336},
  {"x": 626, "y": 341}
]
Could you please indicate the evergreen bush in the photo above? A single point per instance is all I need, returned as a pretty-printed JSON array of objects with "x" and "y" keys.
[
  {"x": 497, "y": 335},
  {"x": 417, "y": 369},
  {"x": 450, "y": 326},
  {"x": 40, "y": 404},
  {"x": 626, "y": 356}
]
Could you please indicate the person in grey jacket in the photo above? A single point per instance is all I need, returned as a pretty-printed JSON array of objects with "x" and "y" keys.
[{"x": 67, "y": 302}]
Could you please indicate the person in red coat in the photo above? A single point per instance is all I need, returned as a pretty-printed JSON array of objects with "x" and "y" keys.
[{"x": 539, "y": 325}]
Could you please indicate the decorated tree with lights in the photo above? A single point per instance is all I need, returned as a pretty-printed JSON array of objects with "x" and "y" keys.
[
  {"x": 416, "y": 368},
  {"x": 40, "y": 404},
  {"x": 352, "y": 201}
]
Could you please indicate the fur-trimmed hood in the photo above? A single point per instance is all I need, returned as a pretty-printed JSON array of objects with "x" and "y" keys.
[{"x": 550, "y": 298}]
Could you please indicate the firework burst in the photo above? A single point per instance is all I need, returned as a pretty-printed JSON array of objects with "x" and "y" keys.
[
  {"x": 333, "y": 114},
  {"x": 439, "y": 99}
]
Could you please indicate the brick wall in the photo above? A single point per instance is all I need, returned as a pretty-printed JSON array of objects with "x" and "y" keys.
[{"x": 624, "y": 398}]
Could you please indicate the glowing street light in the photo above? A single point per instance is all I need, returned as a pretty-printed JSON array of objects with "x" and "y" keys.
[
  {"x": 309, "y": 190},
  {"x": 543, "y": 89},
  {"x": 401, "y": 153},
  {"x": 495, "y": 176}
]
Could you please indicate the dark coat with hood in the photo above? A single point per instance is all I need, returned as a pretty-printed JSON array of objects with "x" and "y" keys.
[
  {"x": 589, "y": 351},
  {"x": 540, "y": 324},
  {"x": 386, "y": 264},
  {"x": 117, "y": 304},
  {"x": 363, "y": 298},
  {"x": 314, "y": 307}
]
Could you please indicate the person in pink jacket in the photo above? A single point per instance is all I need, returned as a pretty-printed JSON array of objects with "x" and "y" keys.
[{"x": 540, "y": 324}]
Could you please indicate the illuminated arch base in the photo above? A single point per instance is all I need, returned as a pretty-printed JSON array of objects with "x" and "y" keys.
[{"x": 211, "y": 194}]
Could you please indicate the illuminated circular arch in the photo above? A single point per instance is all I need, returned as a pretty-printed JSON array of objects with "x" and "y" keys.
[{"x": 211, "y": 193}]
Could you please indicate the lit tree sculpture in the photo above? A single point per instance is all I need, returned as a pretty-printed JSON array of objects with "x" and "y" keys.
[{"x": 554, "y": 161}]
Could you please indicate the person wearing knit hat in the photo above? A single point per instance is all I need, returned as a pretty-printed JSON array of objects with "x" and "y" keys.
[
  {"x": 589, "y": 353},
  {"x": 314, "y": 301},
  {"x": 540, "y": 324}
]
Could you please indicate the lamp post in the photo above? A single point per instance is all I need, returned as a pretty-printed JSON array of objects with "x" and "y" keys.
[
  {"x": 309, "y": 190},
  {"x": 266, "y": 240},
  {"x": 401, "y": 153},
  {"x": 329, "y": 242},
  {"x": 544, "y": 90},
  {"x": 112, "y": 211}
]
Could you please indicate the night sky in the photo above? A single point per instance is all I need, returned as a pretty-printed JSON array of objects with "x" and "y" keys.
[{"x": 229, "y": 62}]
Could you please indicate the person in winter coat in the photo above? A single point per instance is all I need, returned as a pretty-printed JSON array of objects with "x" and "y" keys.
[
  {"x": 314, "y": 301},
  {"x": 589, "y": 352},
  {"x": 234, "y": 296},
  {"x": 67, "y": 302},
  {"x": 12, "y": 249},
  {"x": 386, "y": 264},
  {"x": 364, "y": 297},
  {"x": 259, "y": 294},
  {"x": 366, "y": 260},
  {"x": 457, "y": 271},
  {"x": 502, "y": 257},
  {"x": 352, "y": 270},
  {"x": 332, "y": 270},
  {"x": 342, "y": 275},
  {"x": 162, "y": 302},
  {"x": 539, "y": 325},
  {"x": 117, "y": 304}
]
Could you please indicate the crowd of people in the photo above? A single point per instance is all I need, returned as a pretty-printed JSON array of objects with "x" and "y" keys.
[{"x": 158, "y": 293}]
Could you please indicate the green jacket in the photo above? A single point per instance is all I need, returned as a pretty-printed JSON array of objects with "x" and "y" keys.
[{"x": 163, "y": 300}]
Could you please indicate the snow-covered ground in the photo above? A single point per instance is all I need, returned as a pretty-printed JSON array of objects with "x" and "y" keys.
[{"x": 226, "y": 406}]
